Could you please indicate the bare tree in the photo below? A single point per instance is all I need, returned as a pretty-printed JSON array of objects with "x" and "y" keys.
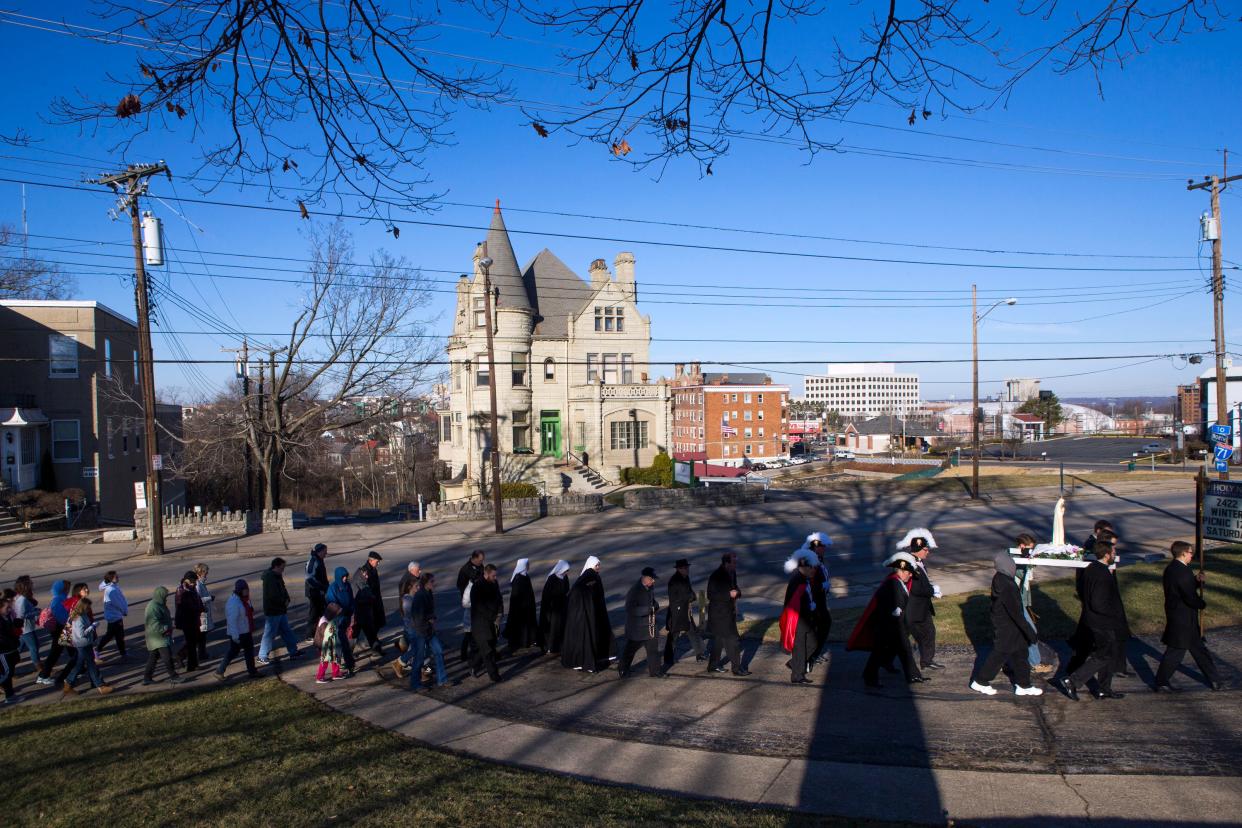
[
  {"x": 354, "y": 348},
  {"x": 344, "y": 98},
  {"x": 24, "y": 277},
  {"x": 340, "y": 98},
  {"x": 693, "y": 75}
]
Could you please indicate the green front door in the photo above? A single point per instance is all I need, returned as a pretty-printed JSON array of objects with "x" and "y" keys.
[{"x": 550, "y": 433}]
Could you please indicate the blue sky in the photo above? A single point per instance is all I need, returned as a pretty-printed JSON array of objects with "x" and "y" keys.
[{"x": 1158, "y": 123}]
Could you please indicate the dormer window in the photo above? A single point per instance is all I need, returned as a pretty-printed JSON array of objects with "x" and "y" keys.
[{"x": 609, "y": 319}]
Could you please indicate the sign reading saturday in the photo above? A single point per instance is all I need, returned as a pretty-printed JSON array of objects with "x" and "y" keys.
[{"x": 1222, "y": 510}]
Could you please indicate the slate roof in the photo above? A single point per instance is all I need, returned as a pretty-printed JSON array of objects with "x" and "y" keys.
[
  {"x": 893, "y": 425},
  {"x": 555, "y": 293},
  {"x": 735, "y": 379},
  {"x": 506, "y": 278}
]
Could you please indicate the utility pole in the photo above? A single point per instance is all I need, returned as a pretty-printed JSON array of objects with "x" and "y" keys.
[
  {"x": 1215, "y": 184},
  {"x": 243, "y": 373},
  {"x": 130, "y": 185},
  {"x": 974, "y": 383},
  {"x": 486, "y": 263}
]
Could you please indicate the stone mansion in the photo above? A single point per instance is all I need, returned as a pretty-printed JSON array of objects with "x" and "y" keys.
[{"x": 571, "y": 378}]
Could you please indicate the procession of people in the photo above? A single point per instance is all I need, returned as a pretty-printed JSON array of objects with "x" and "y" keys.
[{"x": 569, "y": 621}]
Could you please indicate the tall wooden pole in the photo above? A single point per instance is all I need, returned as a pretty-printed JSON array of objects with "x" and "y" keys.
[{"x": 1200, "y": 487}]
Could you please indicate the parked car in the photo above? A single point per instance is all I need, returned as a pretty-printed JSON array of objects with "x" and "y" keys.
[
  {"x": 843, "y": 454},
  {"x": 759, "y": 466},
  {"x": 1155, "y": 447}
]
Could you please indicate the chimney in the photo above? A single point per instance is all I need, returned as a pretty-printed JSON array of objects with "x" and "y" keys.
[
  {"x": 695, "y": 369},
  {"x": 599, "y": 274},
  {"x": 678, "y": 369},
  {"x": 624, "y": 266}
]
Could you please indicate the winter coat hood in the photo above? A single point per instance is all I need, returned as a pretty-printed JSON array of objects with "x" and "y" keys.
[{"x": 1005, "y": 564}]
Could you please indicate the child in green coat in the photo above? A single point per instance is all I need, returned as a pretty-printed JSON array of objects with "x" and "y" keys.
[
  {"x": 159, "y": 627},
  {"x": 327, "y": 636}
]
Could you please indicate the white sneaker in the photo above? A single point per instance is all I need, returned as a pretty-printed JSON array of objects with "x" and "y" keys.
[
  {"x": 46, "y": 682},
  {"x": 985, "y": 689},
  {"x": 1027, "y": 691}
]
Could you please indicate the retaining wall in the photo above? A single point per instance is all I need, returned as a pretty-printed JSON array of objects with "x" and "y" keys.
[
  {"x": 517, "y": 507},
  {"x": 736, "y": 494},
  {"x": 209, "y": 524}
]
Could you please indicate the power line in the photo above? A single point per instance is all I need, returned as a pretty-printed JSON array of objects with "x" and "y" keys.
[
  {"x": 649, "y": 242},
  {"x": 690, "y": 226}
]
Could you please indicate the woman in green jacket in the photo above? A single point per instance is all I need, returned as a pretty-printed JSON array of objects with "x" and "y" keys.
[{"x": 159, "y": 627}]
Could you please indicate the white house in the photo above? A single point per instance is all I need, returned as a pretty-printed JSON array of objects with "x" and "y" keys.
[{"x": 571, "y": 362}]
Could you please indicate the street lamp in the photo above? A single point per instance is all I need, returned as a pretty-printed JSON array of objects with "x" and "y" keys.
[
  {"x": 975, "y": 319},
  {"x": 485, "y": 265}
]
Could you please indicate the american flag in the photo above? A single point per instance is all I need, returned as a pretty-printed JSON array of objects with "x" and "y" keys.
[{"x": 727, "y": 430}]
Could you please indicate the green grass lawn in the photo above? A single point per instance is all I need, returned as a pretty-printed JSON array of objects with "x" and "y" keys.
[
  {"x": 964, "y": 618},
  {"x": 261, "y": 753}
]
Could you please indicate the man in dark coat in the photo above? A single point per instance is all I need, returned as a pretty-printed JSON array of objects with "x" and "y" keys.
[
  {"x": 1012, "y": 634},
  {"x": 588, "y": 633},
  {"x": 678, "y": 619},
  {"x": 920, "y": 612},
  {"x": 316, "y": 587},
  {"x": 522, "y": 624},
  {"x": 640, "y": 625},
  {"x": 552, "y": 609},
  {"x": 275, "y": 612},
  {"x": 1103, "y": 617},
  {"x": 486, "y": 607},
  {"x": 470, "y": 572},
  {"x": 799, "y": 630},
  {"x": 722, "y": 595},
  {"x": 364, "y": 610},
  {"x": 1182, "y": 603},
  {"x": 370, "y": 572}
]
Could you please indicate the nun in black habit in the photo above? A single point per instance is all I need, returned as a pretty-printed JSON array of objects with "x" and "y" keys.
[
  {"x": 588, "y": 643},
  {"x": 521, "y": 625},
  {"x": 552, "y": 609}
]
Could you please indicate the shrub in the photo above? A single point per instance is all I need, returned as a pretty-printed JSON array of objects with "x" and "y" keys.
[
  {"x": 510, "y": 491},
  {"x": 659, "y": 473}
]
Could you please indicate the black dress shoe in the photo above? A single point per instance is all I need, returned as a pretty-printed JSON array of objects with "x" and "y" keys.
[
  {"x": 741, "y": 671},
  {"x": 1122, "y": 674},
  {"x": 933, "y": 665},
  {"x": 1166, "y": 688},
  {"x": 803, "y": 680},
  {"x": 1107, "y": 694},
  {"x": 1067, "y": 687},
  {"x": 918, "y": 680},
  {"x": 657, "y": 675},
  {"x": 623, "y": 673},
  {"x": 1216, "y": 685},
  {"x": 700, "y": 658},
  {"x": 720, "y": 669}
]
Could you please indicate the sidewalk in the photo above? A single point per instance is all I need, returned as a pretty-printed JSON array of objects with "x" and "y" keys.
[{"x": 487, "y": 721}]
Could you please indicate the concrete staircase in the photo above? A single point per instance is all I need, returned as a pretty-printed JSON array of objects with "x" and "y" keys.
[
  {"x": 588, "y": 479},
  {"x": 9, "y": 524}
]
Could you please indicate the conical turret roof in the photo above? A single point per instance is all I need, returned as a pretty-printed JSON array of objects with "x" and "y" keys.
[{"x": 506, "y": 278}]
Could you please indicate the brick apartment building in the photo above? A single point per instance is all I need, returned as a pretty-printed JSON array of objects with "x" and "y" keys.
[
  {"x": 1189, "y": 405},
  {"x": 63, "y": 398},
  {"x": 728, "y": 419}
]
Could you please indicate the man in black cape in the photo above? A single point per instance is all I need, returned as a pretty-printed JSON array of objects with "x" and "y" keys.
[
  {"x": 486, "y": 607},
  {"x": 470, "y": 572},
  {"x": 521, "y": 625},
  {"x": 1103, "y": 618},
  {"x": 722, "y": 595},
  {"x": 680, "y": 597},
  {"x": 588, "y": 633},
  {"x": 1182, "y": 603},
  {"x": 881, "y": 628},
  {"x": 364, "y": 610},
  {"x": 316, "y": 586},
  {"x": 552, "y": 609}
]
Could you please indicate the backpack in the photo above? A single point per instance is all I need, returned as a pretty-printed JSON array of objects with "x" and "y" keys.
[{"x": 47, "y": 621}]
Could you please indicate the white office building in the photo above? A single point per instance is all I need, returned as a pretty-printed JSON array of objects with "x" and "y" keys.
[{"x": 863, "y": 390}]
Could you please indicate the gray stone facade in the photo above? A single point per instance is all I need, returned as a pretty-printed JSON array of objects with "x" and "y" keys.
[
  {"x": 517, "y": 507},
  {"x": 737, "y": 494},
  {"x": 209, "y": 524}
]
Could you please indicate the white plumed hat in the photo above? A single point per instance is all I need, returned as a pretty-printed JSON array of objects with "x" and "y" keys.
[
  {"x": 901, "y": 556},
  {"x": 925, "y": 534}
]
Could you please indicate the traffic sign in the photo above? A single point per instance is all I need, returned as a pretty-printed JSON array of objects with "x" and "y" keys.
[
  {"x": 1220, "y": 433},
  {"x": 1222, "y": 466},
  {"x": 1223, "y": 452}
]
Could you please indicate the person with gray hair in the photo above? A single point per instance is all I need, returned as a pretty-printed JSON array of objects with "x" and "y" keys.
[
  {"x": 412, "y": 571},
  {"x": 1012, "y": 633}
]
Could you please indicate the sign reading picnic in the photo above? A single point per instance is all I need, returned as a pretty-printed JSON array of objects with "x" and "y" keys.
[{"x": 1222, "y": 510}]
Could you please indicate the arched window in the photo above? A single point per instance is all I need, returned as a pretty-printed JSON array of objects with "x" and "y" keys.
[{"x": 549, "y": 369}]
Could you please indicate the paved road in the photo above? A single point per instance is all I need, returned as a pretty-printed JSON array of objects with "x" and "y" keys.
[
  {"x": 1085, "y": 449},
  {"x": 863, "y": 521}
]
